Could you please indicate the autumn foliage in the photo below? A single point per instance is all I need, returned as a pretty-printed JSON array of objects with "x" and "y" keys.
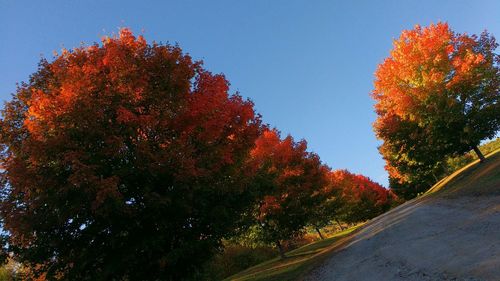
[
  {"x": 296, "y": 190},
  {"x": 361, "y": 198},
  {"x": 437, "y": 95},
  {"x": 123, "y": 160},
  {"x": 290, "y": 180},
  {"x": 129, "y": 161}
]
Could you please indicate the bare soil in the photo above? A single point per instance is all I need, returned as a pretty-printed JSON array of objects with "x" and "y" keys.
[{"x": 434, "y": 238}]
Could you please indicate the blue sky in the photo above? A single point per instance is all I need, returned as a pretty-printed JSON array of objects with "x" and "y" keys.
[{"x": 307, "y": 65}]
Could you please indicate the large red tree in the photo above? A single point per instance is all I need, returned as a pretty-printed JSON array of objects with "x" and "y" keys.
[{"x": 123, "y": 161}]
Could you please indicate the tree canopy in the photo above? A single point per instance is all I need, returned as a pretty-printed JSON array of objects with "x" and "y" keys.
[
  {"x": 360, "y": 198},
  {"x": 290, "y": 180},
  {"x": 130, "y": 161},
  {"x": 123, "y": 161},
  {"x": 437, "y": 95}
]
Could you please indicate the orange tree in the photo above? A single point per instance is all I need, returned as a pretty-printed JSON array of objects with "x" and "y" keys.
[
  {"x": 437, "y": 95},
  {"x": 123, "y": 161},
  {"x": 290, "y": 180},
  {"x": 330, "y": 206}
]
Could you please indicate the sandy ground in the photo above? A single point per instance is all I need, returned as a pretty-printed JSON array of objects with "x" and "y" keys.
[{"x": 431, "y": 239}]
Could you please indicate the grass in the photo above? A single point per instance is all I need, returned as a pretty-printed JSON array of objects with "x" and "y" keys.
[
  {"x": 456, "y": 163},
  {"x": 475, "y": 179},
  {"x": 298, "y": 262}
]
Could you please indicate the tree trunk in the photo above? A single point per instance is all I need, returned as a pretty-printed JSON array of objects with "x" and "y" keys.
[
  {"x": 280, "y": 248},
  {"x": 479, "y": 154},
  {"x": 341, "y": 227},
  {"x": 319, "y": 233}
]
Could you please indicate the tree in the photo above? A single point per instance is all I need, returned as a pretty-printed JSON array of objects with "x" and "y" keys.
[
  {"x": 290, "y": 179},
  {"x": 330, "y": 205},
  {"x": 123, "y": 161},
  {"x": 442, "y": 85},
  {"x": 418, "y": 160},
  {"x": 362, "y": 198}
]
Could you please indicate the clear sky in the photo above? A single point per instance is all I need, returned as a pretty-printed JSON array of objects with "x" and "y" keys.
[{"x": 307, "y": 65}]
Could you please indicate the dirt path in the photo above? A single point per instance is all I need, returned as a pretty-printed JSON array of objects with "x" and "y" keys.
[{"x": 431, "y": 239}]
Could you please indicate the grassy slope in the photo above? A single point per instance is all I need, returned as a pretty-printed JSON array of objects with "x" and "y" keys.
[
  {"x": 472, "y": 180},
  {"x": 298, "y": 261}
]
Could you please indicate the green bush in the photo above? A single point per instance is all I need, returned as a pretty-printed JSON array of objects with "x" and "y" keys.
[
  {"x": 11, "y": 271},
  {"x": 5, "y": 274},
  {"x": 455, "y": 163},
  {"x": 490, "y": 146},
  {"x": 234, "y": 259}
]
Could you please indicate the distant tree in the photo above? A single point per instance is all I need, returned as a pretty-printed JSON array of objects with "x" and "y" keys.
[
  {"x": 290, "y": 179},
  {"x": 329, "y": 209},
  {"x": 445, "y": 88},
  {"x": 362, "y": 198},
  {"x": 123, "y": 161}
]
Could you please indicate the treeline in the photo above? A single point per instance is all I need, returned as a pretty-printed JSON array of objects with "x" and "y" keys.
[
  {"x": 345, "y": 199},
  {"x": 130, "y": 161},
  {"x": 296, "y": 192}
]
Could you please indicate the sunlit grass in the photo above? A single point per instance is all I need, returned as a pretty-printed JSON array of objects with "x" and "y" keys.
[
  {"x": 474, "y": 179},
  {"x": 298, "y": 262}
]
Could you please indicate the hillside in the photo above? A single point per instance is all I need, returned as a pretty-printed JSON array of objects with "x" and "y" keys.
[{"x": 450, "y": 233}]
